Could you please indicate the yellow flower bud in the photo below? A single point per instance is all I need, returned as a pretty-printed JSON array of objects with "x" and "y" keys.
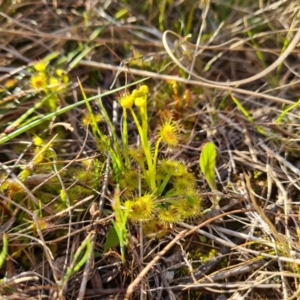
[
  {"x": 140, "y": 101},
  {"x": 40, "y": 66},
  {"x": 53, "y": 84},
  {"x": 126, "y": 101},
  {"x": 61, "y": 73},
  {"x": 144, "y": 89}
]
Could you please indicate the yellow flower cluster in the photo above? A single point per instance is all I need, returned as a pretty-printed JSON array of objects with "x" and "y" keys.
[
  {"x": 137, "y": 97},
  {"x": 48, "y": 83},
  {"x": 41, "y": 80}
]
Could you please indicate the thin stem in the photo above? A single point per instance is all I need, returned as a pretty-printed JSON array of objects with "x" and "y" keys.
[
  {"x": 125, "y": 139},
  {"x": 163, "y": 185},
  {"x": 150, "y": 175},
  {"x": 156, "y": 151},
  {"x": 151, "y": 164}
]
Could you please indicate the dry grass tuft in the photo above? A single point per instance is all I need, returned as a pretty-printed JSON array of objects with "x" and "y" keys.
[{"x": 228, "y": 71}]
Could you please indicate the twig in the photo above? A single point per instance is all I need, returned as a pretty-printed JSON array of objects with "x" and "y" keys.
[
  {"x": 138, "y": 279},
  {"x": 215, "y": 85}
]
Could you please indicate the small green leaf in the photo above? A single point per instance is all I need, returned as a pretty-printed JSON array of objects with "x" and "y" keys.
[
  {"x": 207, "y": 163},
  {"x": 96, "y": 33},
  {"x": 112, "y": 239},
  {"x": 203, "y": 239},
  {"x": 63, "y": 196},
  {"x": 121, "y": 13}
]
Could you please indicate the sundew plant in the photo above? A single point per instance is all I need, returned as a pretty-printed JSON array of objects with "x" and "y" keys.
[{"x": 155, "y": 191}]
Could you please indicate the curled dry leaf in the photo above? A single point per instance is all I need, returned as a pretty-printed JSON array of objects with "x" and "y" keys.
[{"x": 66, "y": 125}]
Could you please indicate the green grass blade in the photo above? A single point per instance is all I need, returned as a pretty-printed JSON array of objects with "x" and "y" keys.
[
  {"x": 79, "y": 57},
  {"x": 80, "y": 258},
  {"x": 285, "y": 112},
  {"x": 120, "y": 222},
  {"x": 247, "y": 115}
]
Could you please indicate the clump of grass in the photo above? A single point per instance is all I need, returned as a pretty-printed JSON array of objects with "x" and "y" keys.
[{"x": 254, "y": 126}]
